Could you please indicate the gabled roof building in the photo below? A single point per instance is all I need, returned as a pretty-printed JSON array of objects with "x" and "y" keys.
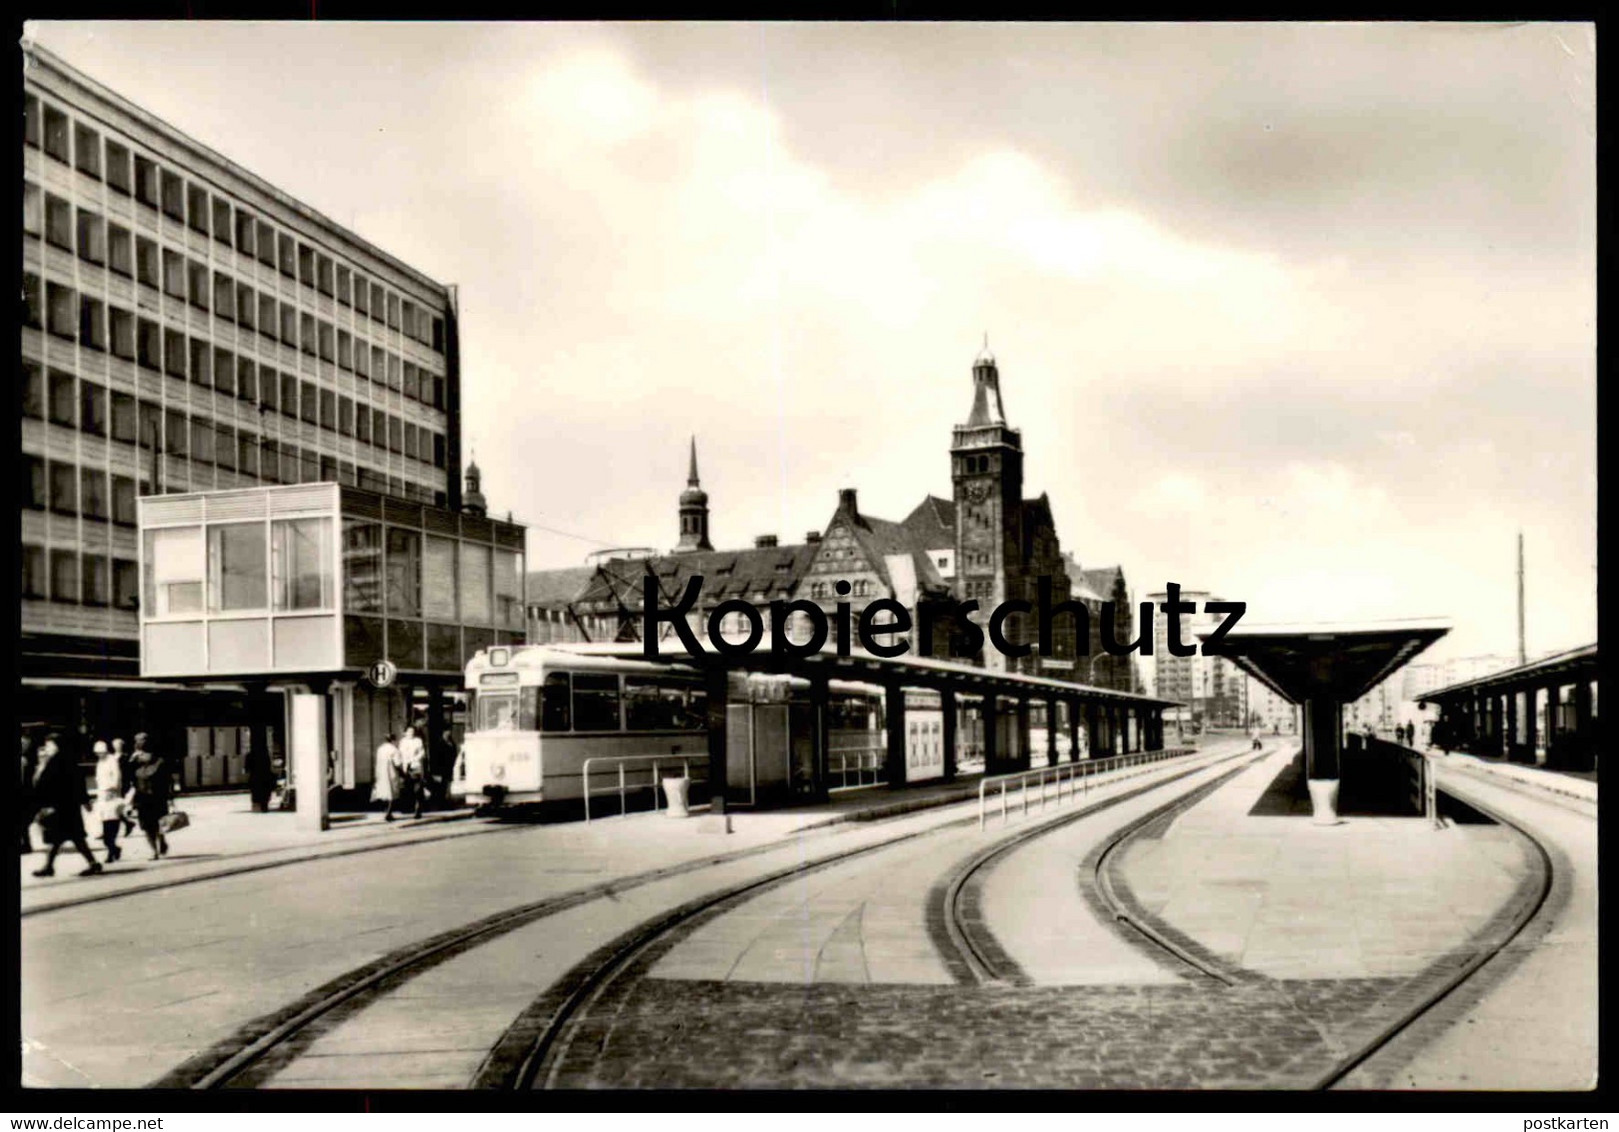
[{"x": 985, "y": 543}]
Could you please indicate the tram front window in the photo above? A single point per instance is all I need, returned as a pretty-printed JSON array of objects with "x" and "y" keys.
[{"x": 497, "y": 713}]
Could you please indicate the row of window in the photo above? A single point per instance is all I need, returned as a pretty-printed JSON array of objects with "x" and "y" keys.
[
  {"x": 68, "y": 488},
  {"x": 65, "y": 313},
  {"x": 593, "y": 701},
  {"x": 822, "y": 591},
  {"x": 79, "y": 579},
  {"x": 48, "y": 127},
  {"x": 86, "y": 405},
  {"x": 403, "y": 573},
  {"x": 237, "y": 568},
  {"x": 233, "y": 572}
]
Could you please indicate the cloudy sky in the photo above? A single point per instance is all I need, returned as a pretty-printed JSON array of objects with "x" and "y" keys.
[{"x": 1301, "y": 314}]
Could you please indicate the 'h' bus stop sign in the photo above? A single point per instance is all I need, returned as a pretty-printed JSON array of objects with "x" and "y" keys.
[{"x": 382, "y": 673}]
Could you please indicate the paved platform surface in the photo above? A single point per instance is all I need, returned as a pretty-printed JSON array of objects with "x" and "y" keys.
[
  {"x": 867, "y": 921},
  {"x": 818, "y": 985},
  {"x": 224, "y": 835},
  {"x": 1370, "y": 897},
  {"x": 181, "y": 964},
  {"x": 436, "y": 1030},
  {"x": 1530, "y": 1020},
  {"x": 1578, "y": 787}
]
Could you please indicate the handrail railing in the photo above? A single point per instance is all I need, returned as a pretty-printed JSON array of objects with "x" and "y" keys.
[
  {"x": 622, "y": 786},
  {"x": 1076, "y": 775}
]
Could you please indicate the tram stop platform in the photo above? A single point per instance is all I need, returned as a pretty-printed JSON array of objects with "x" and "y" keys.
[
  {"x": 226, "y": 836},
  {"x": 1244, "y": 877}
]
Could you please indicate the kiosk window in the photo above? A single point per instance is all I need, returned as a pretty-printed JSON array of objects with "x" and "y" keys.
[{"x": 174, "y": 570}]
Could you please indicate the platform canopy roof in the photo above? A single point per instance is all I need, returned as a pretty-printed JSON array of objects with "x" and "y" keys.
[
  {"x": 1343, "y": 661},
  {"x": 1569, "y": 666}
]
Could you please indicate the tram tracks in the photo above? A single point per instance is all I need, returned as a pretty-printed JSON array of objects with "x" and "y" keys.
[
  {"x": 1423, "y": 992},
  {"x": 568, "y": 1026},
  {"x": 529, "y": 1053},
  {"x": 268, "y": 1042},
  {"x": 565, "y": 1032},
  {"x": 985, "y": 962},
  {"x": 972, "y": 954},
  {"x": 561, "y": 1035},
  {"x": 1436, "y": 985}
]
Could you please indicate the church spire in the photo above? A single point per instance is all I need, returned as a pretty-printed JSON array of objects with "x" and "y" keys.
[
  {"x": 987, "y": 407},
  {"x": 693, "y": 510},
  {"x": 472, "y": 500}
]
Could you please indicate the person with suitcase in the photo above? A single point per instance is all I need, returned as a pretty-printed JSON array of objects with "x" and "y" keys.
[{"x": 150, "y": 795}]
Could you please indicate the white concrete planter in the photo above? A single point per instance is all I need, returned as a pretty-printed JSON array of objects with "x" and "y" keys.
[
  {"x": 675, "y": 792},
  {"x": 1324, "y": 800}
]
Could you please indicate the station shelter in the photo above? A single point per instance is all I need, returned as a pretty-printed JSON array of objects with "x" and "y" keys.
[
  {"x": 359, "y": 610},
  {"x": 1323, "y": 667},
  {"x": 1542, "y": 713},
  {"x": 774, "y": 729}
]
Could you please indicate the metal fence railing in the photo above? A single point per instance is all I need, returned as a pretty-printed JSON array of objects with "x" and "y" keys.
[
  {"x": 1076, "y": 778},
  {"x": 628, "y": 777}
]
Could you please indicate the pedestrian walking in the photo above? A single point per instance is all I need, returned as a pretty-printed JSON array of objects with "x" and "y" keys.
[
  {"x": 109, "y": 804},
  {"x": 126, "y": 775},
  {"x": 25, "y": 796},
  {"x": 449, "y": 757},
  {"x": 150, "y": 795},
  {"x": 60, "y": 794},
  {"x": 386, "y": 784},
  {"x": 260, "y": 775},
  {"x": 413, "y": 760}
]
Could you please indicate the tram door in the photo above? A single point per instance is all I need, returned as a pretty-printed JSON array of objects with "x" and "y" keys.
[
  {"x": 1008, "y": 736},
  {"x": 759, "y": 742}
]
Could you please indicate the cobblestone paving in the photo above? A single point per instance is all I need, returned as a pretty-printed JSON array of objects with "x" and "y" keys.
[{"x": 669, "y": 1033}]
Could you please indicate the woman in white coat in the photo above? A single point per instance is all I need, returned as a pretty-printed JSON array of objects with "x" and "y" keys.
[
  {"x": 109, "y": 803},
  {"x": 385, "y": 782}
]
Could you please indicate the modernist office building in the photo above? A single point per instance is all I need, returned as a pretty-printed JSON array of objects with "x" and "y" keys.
[{"x": 188, "y": 327}]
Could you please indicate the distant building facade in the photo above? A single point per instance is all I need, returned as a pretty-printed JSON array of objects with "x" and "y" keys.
[
  {"x": 1214, "y": 690},
  {"x": 985, "y": 543}
]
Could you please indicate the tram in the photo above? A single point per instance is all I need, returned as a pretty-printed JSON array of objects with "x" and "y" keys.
[{"x": 537, "y": 715}]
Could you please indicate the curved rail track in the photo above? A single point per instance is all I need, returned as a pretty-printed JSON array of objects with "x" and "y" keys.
[
  {"x": 1478, "y": 963},
  {"x": 957, "y": 904},
  {"x": 535, "y": 1051},
  {"x": 257, "y": 1050},
  {"x": 554, "y": 1030},
  {"x": 1437, "y": 982}
]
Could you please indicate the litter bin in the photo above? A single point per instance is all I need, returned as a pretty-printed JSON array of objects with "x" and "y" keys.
[{"x": 675, "y": 791}]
